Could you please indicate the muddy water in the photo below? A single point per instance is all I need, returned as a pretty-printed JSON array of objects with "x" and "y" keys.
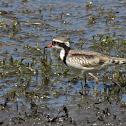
[{"x": 36, "y": 88}]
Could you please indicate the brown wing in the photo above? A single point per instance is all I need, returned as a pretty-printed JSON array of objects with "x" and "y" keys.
[{"x": 86, "y": 58}]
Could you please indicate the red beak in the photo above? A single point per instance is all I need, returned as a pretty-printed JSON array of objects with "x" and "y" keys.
[{"x": 49, "y": 46}]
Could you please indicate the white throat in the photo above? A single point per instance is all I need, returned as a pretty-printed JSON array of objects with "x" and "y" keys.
[{"x": 62, "y": 54}]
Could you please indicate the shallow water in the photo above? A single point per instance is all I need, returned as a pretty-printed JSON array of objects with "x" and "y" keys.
[{"x": 35, "y": 79}]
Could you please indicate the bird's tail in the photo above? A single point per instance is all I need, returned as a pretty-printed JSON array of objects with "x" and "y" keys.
[{"x": 119, "y": 60}]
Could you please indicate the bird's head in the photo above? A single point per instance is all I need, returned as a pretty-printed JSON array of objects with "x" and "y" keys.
[{"x": 59, "y": 43}]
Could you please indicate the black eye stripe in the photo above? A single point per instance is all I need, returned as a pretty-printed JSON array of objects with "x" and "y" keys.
[{"x": 54, "y": 42}]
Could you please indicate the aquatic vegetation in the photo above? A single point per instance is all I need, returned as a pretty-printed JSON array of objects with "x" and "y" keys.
[
  {"x": 36, "y": 88},
  {"x": 107, "y": 43},
  {"x": 89, "y": 5}
]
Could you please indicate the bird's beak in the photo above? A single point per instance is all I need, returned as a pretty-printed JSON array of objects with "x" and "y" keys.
[{"x": 49, "y": 46}]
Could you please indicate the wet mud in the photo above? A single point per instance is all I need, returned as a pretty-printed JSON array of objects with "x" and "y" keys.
[{"x": 36, "y": 88}]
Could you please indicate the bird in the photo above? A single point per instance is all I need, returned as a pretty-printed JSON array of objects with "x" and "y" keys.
[{"x": 81, "y": 61}]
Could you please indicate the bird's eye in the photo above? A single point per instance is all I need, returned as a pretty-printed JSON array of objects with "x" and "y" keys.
[{"x": 54, "y": 42}]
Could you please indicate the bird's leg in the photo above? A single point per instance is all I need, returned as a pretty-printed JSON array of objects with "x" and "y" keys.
[
  {"x": 82, "y": 85},
  {"x": 85, "y": 80},
  {"x": 96, "y": 81}
]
